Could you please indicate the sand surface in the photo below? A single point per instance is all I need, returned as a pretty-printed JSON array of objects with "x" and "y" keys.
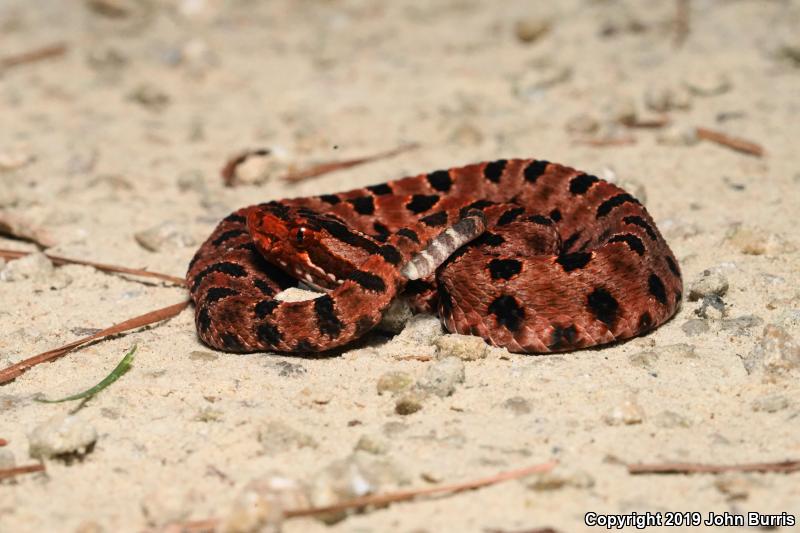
[{"x": 127, "y": 130}]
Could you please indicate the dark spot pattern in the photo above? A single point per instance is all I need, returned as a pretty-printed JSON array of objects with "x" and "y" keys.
[
  {"x": 581, "y": 183},
  {"x": 227, "y": 235},
  {"x": 642, "y": 223},
  {"x": 534, "y": 170},
  {"x": 435, "y": 219},
  {"x": 380, "y": 189},
  {"x": 480, "y": 205},
  {"x": 264, "y": 308},
  {"x": 203, "y": 319},
  {"x": 510, "y": 216},
  {"x": 555, "y": 215},
  {"x": 563, "y": 338},
  {"x": 269, "y": 334},
  {"x": 645, "y": 322},
  {"x": 657, "y": 288},
  {"x": 673, "y": 266},
  {"x": 304, "y": 346},
  {"x": 341, "y": 232},
  {"x": 364, "y": 205},
  {"x": 507, "y": 312},
  {"x": 504, "y": 268},
  {"x": 571, "y": 240},
  {"x": 381, "y": 232},
  {"x": 409, "y": 234},
  {"x": 330, "y": 199},
  {"x": 218, "y": 293},
  {"x": 327, "y": 321},
  {"x": 418, "y": 286},
  {"x": 633, "y": 242},
  {"x": 440, "y": 180},
  {"x": 488, "y": 238},
  {"x": 391, "y": 254},
  {"x": 235, "y": 218},
  {"x": 371, "y": 282},
  {"x": 615, "y": 201},
  {"x": 604, "y": 306},
  {"x": 494, "y": 171},
  {"x": 230, "y": 341},
  {"x": 364, "y": 324},
  {"x": 540, "y": 219},
  {"x": 422, "y": 202},
  {"x": 264, "y": 287},
  {"x": 574, "y": 261},
  {"x": 230, "y": 269}
]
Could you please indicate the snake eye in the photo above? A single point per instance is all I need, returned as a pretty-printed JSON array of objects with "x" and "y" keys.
[{"x": 300, "y": 235}]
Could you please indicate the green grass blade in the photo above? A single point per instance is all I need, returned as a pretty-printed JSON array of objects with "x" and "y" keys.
[{"x": 123, "y": 366}]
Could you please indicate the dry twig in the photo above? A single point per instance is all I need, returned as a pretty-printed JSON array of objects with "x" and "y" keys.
[
  {"x": 691, "y": 468},
  {"x": 211, "y": 524},
  {"x": 45, "y": 52},
  {"x": 58, "y": 260},
  {"x": 15, "y": 471},
  {"x": 13, "y": 371},
  {"x": 324, "y": 168},
  {"x": 600, "y": 143},
  {"x": 736, "y": 143},
  {"x": 3, "y": 442}
]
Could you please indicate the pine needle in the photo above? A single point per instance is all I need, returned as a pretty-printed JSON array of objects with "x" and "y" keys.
[{"x": 123, "y": 366}]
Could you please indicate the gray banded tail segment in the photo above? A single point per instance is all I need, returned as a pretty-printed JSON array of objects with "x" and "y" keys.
[{"x": 425, "y": 263}]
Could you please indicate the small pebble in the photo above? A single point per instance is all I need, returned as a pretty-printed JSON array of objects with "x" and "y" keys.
[
  {"x": 396, "y": 316},
  {"x": 771, "y": 403},
  {"x": 150, "y": 97},
  {"x": 517, "y": 405},
  {"x": 442, "y": 376},
  {"x": 628, "y": 413},
  {"x": 464, "y": 347},
  {"x": 558, "y": 478},
  {"x": 394, "y": 382},
  {"x": 530, "y": 29},
  {"x": 14, "y": 159},
  {"x": 734, "y": 486},
  {"x": 34, "y": 267},
  {"x": 707, "y": 83},
  {"x": 646, "y": 359},
  {"x": 712, "y": 307},
  {"x": 664, "y": 98},
  {"x": 466, "y": 134},
  {"x": 191, "y": 180},
  {"x": 89, "y": 526},
  {"x": 259, "y": 506},
  {"x": 710, "y": 282},
  {"x": 289, "y": 370},
  {"x": 695, "y": 326},
  {"x": 167, "y": 504},
  {"x": 671, "y": 419},
  {"x": 582, "y": 123},
  {"x": 755, "y": 241},
  {"x": 409, "y": 403},
  {"x": 203, "y": 355},
  {"x": 679, "y": 350},
  {"x": 373, "y": 445},
  {"x": 278, "y": 437},
  {"x": 777, "y": 353},
  {"x": 742, "y": 323},
  {"x": 355, "y": 476},
  {"x": 539, "y": 77},
  {"x": 165, "y": 236},
  {"x": 62, "y": 436}
]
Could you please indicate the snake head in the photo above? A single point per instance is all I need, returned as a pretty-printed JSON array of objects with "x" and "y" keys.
[{"x": 304, "y": 244}]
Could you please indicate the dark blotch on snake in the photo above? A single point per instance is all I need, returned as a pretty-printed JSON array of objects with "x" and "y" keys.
[{"x": 508, "y": 312}]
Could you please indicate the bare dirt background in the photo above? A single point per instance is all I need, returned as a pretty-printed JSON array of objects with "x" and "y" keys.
[{"x": 113, "y": 149}]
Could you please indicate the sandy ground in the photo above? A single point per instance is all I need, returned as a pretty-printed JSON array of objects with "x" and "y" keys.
[{"x": 119, "y": 142}]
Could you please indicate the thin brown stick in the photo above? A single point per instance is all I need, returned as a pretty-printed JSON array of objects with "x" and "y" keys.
[
  {"x": 324, "y": 168},
  {"x": 15, "y": 471},
  {"x": 649, "y": 122},
  {"x": 736, "y": 143},
  {"x": 691, "y": 468},
  {"x": 59, "y": 260},
  {"x": 38, "y": 54},
  {"x": 404, "y": 495},
  {"x": 682, "y": 12},
  {"x": 210, "y": 524},
  {"x": 13, "y": 371},
  {"x": 3, "y": 442}
]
